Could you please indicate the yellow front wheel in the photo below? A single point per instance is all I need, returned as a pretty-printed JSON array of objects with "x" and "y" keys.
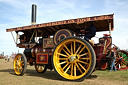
[
  {"x": 20, "y": 64},
  {"x": 74, "y": 58}
]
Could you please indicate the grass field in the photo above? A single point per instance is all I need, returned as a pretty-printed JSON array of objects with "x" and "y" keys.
[{"x": 31, "y": 77}]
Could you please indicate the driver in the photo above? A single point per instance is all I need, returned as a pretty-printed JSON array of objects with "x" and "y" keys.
[{"x": 89, "y": 31}]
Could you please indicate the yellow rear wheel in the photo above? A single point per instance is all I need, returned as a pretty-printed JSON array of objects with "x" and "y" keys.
[
  {"x": 20, "y": 64},
  {"x": 74, "y": 58}
]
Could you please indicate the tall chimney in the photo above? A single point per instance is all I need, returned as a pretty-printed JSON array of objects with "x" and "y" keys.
[{"x": 33, "y": 14}]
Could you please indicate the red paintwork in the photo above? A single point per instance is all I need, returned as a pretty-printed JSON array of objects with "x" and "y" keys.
[
  {"x": 42, "y": 58},
  {"x": 101, "y": 50},
  {"x": 106, "y": 35}
]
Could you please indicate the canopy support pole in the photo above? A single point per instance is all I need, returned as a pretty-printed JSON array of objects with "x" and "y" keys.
[
  {"x": 32, "y": 36},
  {"x": 13, "y": 37},
  {"x": 110, "y": 29}
]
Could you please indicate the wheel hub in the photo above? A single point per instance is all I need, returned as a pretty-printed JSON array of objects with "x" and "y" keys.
[
  {"x": 121, "y": 59},
  {"x": 19, "y": 64},
  {"x": 72, "y": 58}
]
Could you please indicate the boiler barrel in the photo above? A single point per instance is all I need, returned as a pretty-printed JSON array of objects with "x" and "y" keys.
[
  {"x": 28, "y": 53},
  {"x": 31, "y": 53}
]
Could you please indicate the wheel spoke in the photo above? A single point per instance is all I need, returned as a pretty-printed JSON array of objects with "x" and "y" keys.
[
  {"x": 39, "y": 67},
  {"x": 82, "y": 67},
  {"x": 81, "y": 50},
  {"x": 74, "y": 70},
  {"x": 22, "y": 61},
  {"x": 19, "y": 59},
  {"x": 21, "y": 69},
  {"x": 63, "y": 62},
  {"x": 78, "y": 49},
  {"x": 74, "y": 46},
  {"x": 124, "y": 62},
  {"x": 83, "y": 62},
  {"x": 66, "y": 52},
  {"x": 67, "y": 69},
  {"x": 67, "y": 48},
  {"x": 78, "y": 68},
  {"x": 117, "y": 59},
  {"x": 84, "y": 58},
  {"x": 18, "y": 69},
  {"x": 62, "y": 54},
  {"x": 71, "y": 48},
  {"x": 16, "y": 65},
  {"x": 65, "y": 66},
  {"x": 16, "y": 61},
  {"x": 117, "y": 64},
  {"x": 119, "y": 56},
  {"x": 22, "y": 64},
  {"x": 62, "y": 58},
  {"x": 83, "y": 55}
]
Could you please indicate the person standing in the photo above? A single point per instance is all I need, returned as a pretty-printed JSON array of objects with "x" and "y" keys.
[
  {"x": 8, "y": 58},
  {"x": 5, "y": 57},
  {"x": 113, "y": 55}
]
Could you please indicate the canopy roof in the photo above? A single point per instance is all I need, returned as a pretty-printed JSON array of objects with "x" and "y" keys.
[{"x": 101, "y": 23}]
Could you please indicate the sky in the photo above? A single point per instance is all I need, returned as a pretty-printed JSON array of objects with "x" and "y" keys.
[{"x": 17, "y": 13}]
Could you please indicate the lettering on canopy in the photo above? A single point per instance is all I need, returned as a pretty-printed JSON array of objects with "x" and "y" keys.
[{"x": 79, "y": 20}]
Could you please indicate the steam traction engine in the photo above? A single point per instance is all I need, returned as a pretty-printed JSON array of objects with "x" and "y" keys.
[{"x": 59, "y": 46}]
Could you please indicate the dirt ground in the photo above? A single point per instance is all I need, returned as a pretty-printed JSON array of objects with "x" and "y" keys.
[{"x": 31, "y": 77}]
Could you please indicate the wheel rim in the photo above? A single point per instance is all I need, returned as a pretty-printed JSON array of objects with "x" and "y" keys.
[
  {"x": 72, "y": 59},
  {"x": 40, "y": 68},
  {"x": 121, "y": 60},
  {"x": 18, "y": 64},
  {"x": 104, "y": 66},
  {"x": 61, "y": 34}
]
